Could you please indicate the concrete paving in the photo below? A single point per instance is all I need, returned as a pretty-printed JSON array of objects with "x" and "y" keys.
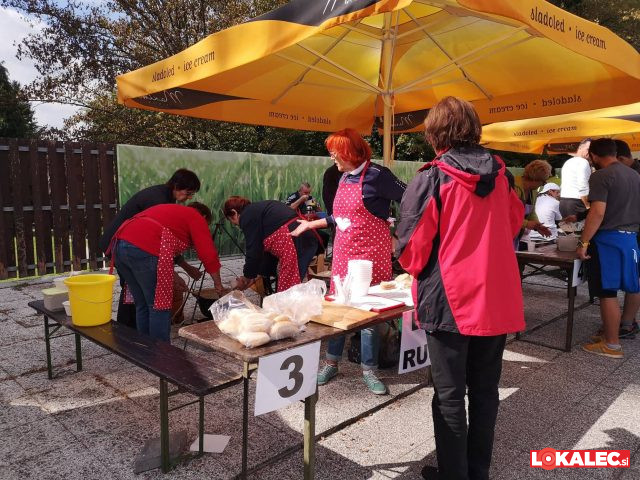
[{"x": 92, "y": 424}]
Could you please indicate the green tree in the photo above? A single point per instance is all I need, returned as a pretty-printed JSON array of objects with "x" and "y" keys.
[
  {"x": 16, "y": 114},
  {"x": 84, "y": 46},
  {"x": 620, "y": 16}
]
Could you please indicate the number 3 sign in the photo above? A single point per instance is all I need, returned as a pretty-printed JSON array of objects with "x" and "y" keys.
[{"x": 286, "y": 377}]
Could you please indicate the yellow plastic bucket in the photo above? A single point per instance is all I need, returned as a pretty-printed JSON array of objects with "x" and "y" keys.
[{"x": 90, "y": 297}]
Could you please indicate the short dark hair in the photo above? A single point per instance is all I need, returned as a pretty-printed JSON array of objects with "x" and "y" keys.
[
  {"x": 235, "y": 202},
  {"x": 452, "y": 122},
  {"x": 622, "y": 149},
  {"x": 603, "y": 147},
  {"x": 183, "y": 179},
  {"x": 202, "y": 210}
]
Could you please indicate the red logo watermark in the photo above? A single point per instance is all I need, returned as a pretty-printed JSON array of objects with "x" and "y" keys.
[{"x": 548, "y": 458}]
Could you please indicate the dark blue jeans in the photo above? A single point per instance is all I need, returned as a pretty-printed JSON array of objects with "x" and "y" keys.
[{"x": 139, "y": 270}]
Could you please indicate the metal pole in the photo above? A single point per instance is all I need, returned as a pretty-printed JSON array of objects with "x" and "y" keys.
[
  {"x": 572, "y": 298},
  {"x": 47, "y": 342},
  {"x": 201, "y": 427},
  {"x": 245, "y": 418},
  {"x": 309, "y": 436},
  {"x": 78, "y": 353},
  {"x": 387, "y": 96},
  {"x": 164, "y": 426}
]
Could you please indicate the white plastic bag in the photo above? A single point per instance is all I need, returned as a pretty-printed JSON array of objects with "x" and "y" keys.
[
  {"x": 299, "y": 303},
  {"x": 249, "y": 324}
]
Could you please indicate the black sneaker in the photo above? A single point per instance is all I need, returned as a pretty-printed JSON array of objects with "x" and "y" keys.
[
  {"x": 430, "y": 473},
  {"x": 629, "y": 332}
]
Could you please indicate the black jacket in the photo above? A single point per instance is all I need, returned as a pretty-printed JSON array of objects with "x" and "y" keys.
[{"x": 140, "y": 201}]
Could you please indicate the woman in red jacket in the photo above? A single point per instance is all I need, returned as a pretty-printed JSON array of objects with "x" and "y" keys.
[
  {"x": 144, "y": 248},
  {"x": 459, "y": 217}
]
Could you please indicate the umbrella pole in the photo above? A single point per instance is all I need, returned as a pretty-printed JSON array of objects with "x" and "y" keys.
[
  {"x": 386, "y": 129},
  {"x": 387, "y": 97}
]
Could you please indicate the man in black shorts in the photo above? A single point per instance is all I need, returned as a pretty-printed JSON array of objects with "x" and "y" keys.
[{"x": 609, "y": 239}]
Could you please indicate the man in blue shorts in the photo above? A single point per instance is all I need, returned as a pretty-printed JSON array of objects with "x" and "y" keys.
[{"x": 609, "y": 244}]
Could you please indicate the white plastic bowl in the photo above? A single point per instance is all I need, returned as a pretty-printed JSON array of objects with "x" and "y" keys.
[{"x": 67, "y": 307}]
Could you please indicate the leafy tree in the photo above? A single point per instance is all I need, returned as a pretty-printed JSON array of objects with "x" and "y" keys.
[
  {"x": 620, "y": 16},
  {"x": 16, "y": 114},
  {"x": 84, "y": 45}
]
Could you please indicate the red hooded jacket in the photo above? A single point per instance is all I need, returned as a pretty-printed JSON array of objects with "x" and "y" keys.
[{"x": 459, "y": 217}]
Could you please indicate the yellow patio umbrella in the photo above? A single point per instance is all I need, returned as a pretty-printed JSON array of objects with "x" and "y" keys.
[
  {"x": 560, "y": 133},
  {"x": 330, "y": 64}
]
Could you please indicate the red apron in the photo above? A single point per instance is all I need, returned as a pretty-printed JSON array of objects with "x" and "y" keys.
[
  {"x": 170, "y": 246},
  {"x": 280, "y": 245},
  {"x": 359, "y": 234}
]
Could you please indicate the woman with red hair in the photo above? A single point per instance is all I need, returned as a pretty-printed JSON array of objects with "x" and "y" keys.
[
  {"x": 360, "y": 214},
  {"x": 266, "y": 227}
]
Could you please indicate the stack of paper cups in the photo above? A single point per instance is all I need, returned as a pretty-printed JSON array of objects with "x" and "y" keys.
[{"x": 361, "y": 273}]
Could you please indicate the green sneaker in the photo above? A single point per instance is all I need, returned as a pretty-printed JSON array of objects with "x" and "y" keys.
[
  {"x": 326, "y": 373},
  {"x": 373, "y": 383}
]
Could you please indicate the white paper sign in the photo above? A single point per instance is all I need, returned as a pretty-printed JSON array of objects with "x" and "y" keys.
[
  {"x": 579, "y": 273},
  {"x": 211, "y": 444},
  {"x": 286, "y": 377},
  {"x": 414, "y": 354}
]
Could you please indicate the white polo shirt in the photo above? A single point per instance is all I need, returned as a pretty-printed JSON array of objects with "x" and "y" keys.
[{"x": 575, "y": 178}]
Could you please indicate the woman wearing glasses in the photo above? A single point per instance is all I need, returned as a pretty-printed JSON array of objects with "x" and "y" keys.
[
  {"x": 182, "y": 185},
  {"x": 360, "y": 214}
]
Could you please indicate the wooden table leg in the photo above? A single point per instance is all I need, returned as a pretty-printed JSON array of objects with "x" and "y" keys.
[{"x": 309, "y": 436}]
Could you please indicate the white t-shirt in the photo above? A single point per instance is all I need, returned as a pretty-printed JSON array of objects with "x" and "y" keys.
[
  {"x": 548, "y": 212},
  {"x": 575, "y": 178}
]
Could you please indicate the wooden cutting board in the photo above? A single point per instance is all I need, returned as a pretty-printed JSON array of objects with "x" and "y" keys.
[{"x": 341, "y": 316}]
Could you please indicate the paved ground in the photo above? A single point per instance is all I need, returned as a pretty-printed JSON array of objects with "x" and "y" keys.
[{"x": 92, "y": 424}]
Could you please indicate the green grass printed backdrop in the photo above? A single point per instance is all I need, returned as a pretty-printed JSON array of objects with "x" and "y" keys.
[{"x": 252, "y": 175}]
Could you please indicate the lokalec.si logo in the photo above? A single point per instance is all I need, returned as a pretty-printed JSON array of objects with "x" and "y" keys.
[{"x": 548, "y": 458}]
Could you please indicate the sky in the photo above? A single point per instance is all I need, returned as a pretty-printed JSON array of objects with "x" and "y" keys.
[{"x": 14, "y": 28}]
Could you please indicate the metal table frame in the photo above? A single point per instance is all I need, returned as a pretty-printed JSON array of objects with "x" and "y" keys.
[
  {"x": 549, "y": 256},
  {"x": 250, "y": 357}
]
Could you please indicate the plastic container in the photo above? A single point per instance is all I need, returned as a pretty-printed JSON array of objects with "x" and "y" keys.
[
  {"x": 53, "y": 298},
  {"x": 91, "y": 297},
  {"x": 568, "y": 243},
  {"x": 67, "y": 307}
]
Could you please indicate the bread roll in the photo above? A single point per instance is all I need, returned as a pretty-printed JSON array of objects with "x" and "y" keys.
[
  {"x": 282, "y": 330},
  {"x": 402, "y": 277},
  {"x": 253, "y": 339},
  {"x": 230, "y": 326},
  {"x": 239, "y": 314},
  {"x": 256, "y": 322},
  {"x": 387, "y": 285},
  {"x": 282, "y": 318}
]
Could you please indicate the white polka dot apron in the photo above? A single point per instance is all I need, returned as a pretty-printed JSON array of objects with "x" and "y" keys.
[
  {"x": 170, "y": 246},
  {"x": 360, "y": 235},
  {"x": 280, "y": 244}
]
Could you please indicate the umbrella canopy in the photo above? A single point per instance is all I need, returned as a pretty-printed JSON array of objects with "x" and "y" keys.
[
  {"x": 330, "y": 64},
  {"x": 560, "y": 133}
]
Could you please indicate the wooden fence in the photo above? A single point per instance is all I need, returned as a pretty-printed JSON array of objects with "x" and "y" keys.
[{"x": 56, "y": 198}]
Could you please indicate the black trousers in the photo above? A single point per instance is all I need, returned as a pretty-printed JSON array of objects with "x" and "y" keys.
[
  {"x": 462, "y": 365},
  {"x": 126, "y": 311}
]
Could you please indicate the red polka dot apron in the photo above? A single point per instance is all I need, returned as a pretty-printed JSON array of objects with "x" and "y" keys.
[
  {"x": 360, "y": 235},
  {"x": 170, "y": 246},
  {"x": 280, "y": 245}
]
